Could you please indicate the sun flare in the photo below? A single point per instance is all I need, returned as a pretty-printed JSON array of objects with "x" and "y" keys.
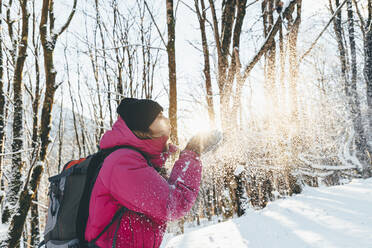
[{"x": 199, "y": 123}]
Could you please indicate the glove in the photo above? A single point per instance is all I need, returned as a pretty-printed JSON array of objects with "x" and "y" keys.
[{"x": 204, "y": 142}]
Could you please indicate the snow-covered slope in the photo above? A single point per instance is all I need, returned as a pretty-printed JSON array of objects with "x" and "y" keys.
[{"x": 339, "y": 216}]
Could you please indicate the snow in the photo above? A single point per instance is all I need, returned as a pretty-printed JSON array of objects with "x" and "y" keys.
[
  {"x": 338, "y": 216},
  {"x": 313, "y": 165},
  {"x": 187, "y": 163},
  {"x": 239, "y": 169},
  {"x": 179, "y": 179},
  {"x": 286, "y": 3},
  {"x": 3, "y": 229}
]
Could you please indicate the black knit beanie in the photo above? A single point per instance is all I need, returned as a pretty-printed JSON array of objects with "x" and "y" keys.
[{"x": 138, "y": 114}]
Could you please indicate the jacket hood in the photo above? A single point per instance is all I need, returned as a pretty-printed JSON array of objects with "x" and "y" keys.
[{"x": 120, "y": 134}]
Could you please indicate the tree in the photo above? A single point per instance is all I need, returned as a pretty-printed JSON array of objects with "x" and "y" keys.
[
  {"x": 368, "y": 66},
  {"x": 360, "y": 139},
  {"x": 171, "y": 23},
  {"x": 366, "y": 28},
  {"x": 271, "y": 95},
  {"x": 30, "y": 188},
  {"x": 207, "y": 71},
  {"x": 293, "y": 26},
  {"x": 2, "y": 101},
  {"x": 350, "y": 80},
  {"x": 15, "y": 183},
  {"x": 223, "y": 40},
  {"x": 35, "y": 145}
]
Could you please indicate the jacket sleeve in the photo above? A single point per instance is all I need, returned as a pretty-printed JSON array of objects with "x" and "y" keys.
[{"x": 140, "y": 188}]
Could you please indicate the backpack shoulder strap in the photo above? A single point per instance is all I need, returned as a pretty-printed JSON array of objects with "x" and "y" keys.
[
  {"x": 117, "y": 216},
  {"x": 106, "y": 152}
]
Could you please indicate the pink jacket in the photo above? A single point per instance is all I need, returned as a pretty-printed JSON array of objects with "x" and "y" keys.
[{"x": 126, "y": 179}]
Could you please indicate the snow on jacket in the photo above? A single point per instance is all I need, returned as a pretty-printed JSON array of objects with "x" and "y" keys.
[{"x": 126, "y": 180}]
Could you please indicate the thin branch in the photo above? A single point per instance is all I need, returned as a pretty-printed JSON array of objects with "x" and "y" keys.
[
  {"x": 248, "y": 5},
  {"x": 156, "y": 25},
  {"x": 197, "y": 48},
  {"x": 69, "y": 19},
  {"x": 215, "y": 28},
  {"x": 321, "y": 33},
  {"x": 29, "y": 92},
  {"x": 362, "y": 22},
  {"x": 130, "y": 45},
  {"x": 369, "y": 20},
  {"x": 11, "y": 153},
  {"x": 40, "y": 204},
  {"x": 188, "y": 6}
]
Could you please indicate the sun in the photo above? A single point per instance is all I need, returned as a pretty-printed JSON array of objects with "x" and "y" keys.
[{"x": 199, "y": 123}]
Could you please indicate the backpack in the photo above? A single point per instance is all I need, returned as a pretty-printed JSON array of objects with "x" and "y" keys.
[{"x": 69, "y": 195}]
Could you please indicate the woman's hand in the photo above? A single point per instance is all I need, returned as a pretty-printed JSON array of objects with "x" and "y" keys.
[
  {"x": 194, "y": 144},
  {"x": 204, "y": 142}
]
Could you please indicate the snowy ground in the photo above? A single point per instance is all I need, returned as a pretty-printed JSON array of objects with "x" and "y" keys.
[{"x": 339, "y": 216}]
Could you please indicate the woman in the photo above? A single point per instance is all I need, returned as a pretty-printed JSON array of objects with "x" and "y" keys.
[{"x": 126, "y": 179}]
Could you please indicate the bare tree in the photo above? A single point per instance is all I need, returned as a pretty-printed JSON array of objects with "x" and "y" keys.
[
  {"x": 350, "y": 81},
  {"x": 35, "y": 230},
  {"x": 366, "y": 28},
  {"x": 270, "y": 56},
  {"x": 2, "y": 100},
  {"x": 360, "y": 140},
  {"x": 207, "y": 71},
  {"x": 368, "y": 66},
  {"x": 172, "y": 71},
  {"x": 60, "y": 134},
  {"x": 279, "y": 9},
  {"x": 74, "y": 118},
  {"x": 48, "y": 42},
  {"x": 293, "y": 26},
  {"x": 223, "y": 41},
  {"x": 15, "y": 183}
]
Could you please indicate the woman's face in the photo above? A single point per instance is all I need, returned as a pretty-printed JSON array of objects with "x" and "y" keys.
[{"x": 160, "y": 126}]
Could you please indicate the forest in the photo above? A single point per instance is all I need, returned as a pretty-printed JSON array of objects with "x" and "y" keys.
[{"x": 288, "y": 82}]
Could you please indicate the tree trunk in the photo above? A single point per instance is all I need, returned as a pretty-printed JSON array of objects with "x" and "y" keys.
[
  {"x": 227, "y": 22},
  {"x": 18, "y": 220},
  {"x": 239, "y": 192},
  {"x": 35, "y": 229},
  {"x": 267, "y": 9},
  {"x": 341, "y": 46},
  {"x": 60, "y": 136},
  {"x": 368, "y": 69},
  {"x": 29, "y": 191},
  {"x": 234, "y": 70},
  {"x": 271, "y": 70},
  {"x": 282, "y": 92},
  {"x": 207, "y": 71},
  {"x": 15, "y": 183},
  {"x": 172, "y": 71},
  {"x": 233, "y": 14},
  {"x": 360, "y": 137},
  {"x": 2, "y": 103},
  {"x": 293, "y": 62}
]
